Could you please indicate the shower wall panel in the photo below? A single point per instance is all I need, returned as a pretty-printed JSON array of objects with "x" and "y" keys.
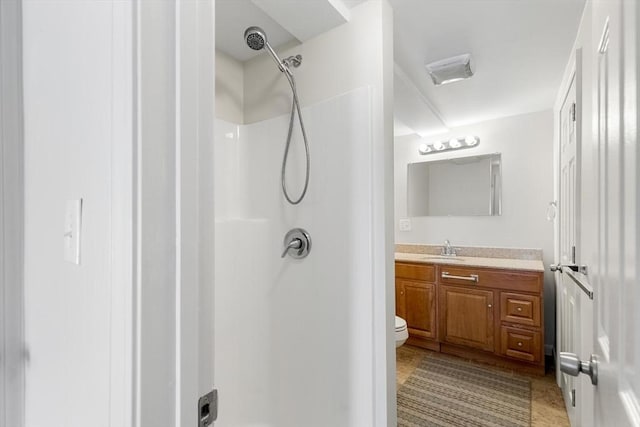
[{"x": 294, "y": 337}]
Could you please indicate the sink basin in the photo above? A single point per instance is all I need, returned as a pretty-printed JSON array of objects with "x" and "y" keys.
[{"x": 444, "y": 258}]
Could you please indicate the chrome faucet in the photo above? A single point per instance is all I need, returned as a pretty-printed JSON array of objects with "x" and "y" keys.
[{"x": 447, "y": 249}]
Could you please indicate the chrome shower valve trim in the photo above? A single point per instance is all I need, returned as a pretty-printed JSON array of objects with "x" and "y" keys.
[{"x": 297, "y": 243}]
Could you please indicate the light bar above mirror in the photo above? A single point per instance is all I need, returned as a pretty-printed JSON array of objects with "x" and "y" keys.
[{"x": 451, "y": 144}]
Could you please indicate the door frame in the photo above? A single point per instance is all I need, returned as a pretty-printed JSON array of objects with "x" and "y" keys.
[
  {"x": 11, "y": 216},
  {"x": 173, "y": 218}
]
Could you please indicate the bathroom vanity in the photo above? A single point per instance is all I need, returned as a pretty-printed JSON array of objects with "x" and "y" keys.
[{"x": 481, "y": 308}]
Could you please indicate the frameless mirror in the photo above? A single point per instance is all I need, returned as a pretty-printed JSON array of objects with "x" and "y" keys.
[{"x": 465, "y": 186}]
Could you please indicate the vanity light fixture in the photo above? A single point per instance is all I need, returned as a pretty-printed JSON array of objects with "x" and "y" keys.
[{"x": 452, "y": 144}]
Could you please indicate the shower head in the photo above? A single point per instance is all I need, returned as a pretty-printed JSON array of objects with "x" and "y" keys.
[{"x": 255, "y": 37}]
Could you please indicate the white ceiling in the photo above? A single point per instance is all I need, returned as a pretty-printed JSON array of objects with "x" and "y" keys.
[
  {"x": 519, "y": 47},
  {"x": 235, "y": 16}
]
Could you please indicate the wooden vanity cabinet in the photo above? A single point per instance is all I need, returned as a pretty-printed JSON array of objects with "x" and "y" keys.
[
  {"x": 488, "y": 314},
  {"x": 497, "y": 311},
  {"x": 416, "y": 302}
]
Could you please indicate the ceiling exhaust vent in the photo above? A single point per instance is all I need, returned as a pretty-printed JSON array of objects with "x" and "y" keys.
[{"x": 451, "y": 69}]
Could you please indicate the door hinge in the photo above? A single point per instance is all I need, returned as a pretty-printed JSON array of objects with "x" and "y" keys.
[
  {"x": 208, "y": 408},
  {"x": 573, "y": 112},
  {"x": 573, "y": 254},
  {"x": 573, "y": 397}
]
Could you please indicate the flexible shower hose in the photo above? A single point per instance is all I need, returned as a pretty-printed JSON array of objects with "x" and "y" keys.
[{"x": 295, "y": 106}]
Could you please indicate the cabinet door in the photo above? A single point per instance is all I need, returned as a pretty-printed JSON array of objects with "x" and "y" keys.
[
  {"x": 400, "y": 300},
  {"x": 419, "y": 307},
  {"x": 466, "y": 317}
]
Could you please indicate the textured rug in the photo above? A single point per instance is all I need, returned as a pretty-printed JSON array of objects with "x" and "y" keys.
[{"x": 451, "y": 392}]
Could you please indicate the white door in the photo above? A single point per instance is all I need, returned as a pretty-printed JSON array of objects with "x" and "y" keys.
[
  {"x": 568, "y": 293},
  {"x": 614, "y": 275}
]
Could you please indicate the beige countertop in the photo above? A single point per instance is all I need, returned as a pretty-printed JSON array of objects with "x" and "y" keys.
[{"x": 468, "y": 261}]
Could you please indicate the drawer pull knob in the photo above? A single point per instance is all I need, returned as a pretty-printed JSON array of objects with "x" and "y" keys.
[
  {"x": 519, "y": 308},
  {"x": 519, "y": 343},
  {"x": 469, "y": 278},
  {"x": 489, "y": 306}
]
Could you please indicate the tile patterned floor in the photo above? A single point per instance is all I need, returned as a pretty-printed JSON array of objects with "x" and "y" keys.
[{"x": 547, "y": 405}]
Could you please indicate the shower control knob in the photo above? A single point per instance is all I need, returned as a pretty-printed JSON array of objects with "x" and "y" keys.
[{"x": 297, "y": 243}]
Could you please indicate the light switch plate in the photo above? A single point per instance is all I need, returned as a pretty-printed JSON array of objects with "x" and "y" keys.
[
  {"x": 72, "y": 229},
  {"x": 405, "y": 224}
]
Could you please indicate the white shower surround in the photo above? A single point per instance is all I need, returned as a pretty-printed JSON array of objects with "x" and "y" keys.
[{"x": 294, "y": 338}]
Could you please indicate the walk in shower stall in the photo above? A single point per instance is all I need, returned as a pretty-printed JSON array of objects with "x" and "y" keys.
[{"x": 305, "y": 342}]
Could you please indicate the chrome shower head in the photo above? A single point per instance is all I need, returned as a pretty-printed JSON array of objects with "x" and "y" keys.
[{"x": 255, "y": 37}]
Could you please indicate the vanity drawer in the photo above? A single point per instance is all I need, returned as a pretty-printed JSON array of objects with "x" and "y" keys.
[
  {"x": 518, "y": 308},
  {"x": 521, "y": 344},
  {"x": 524, "y": 281},
  {"x": 426, "y": 273}
]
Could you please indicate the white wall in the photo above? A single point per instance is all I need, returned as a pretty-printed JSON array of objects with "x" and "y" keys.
[
  {"x": 118, "y": 112},
  {"x": 77, "y": 112},
  {"x": 11, "y": 217},
  {"x": 157, "y": 172},
  {"x": 229, "y": 88},
  {"x": 333, "y": 63},
  {"x": 526, "y": 145}
]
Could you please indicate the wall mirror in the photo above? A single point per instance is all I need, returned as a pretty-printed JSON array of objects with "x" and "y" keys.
[{"x": 464, "y": 186}]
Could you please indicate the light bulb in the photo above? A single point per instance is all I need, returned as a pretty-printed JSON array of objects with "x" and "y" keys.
[
  {"x": 438, "y": 146},
  {"x": 454, "y": 143},
  {"x": 471, "y": 140}
]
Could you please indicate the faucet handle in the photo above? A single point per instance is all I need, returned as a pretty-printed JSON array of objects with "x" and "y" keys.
[{"x": 297, "y": 243}]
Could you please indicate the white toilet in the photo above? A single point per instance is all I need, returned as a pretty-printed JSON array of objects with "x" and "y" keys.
[{"x": 401, "y": 331}]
